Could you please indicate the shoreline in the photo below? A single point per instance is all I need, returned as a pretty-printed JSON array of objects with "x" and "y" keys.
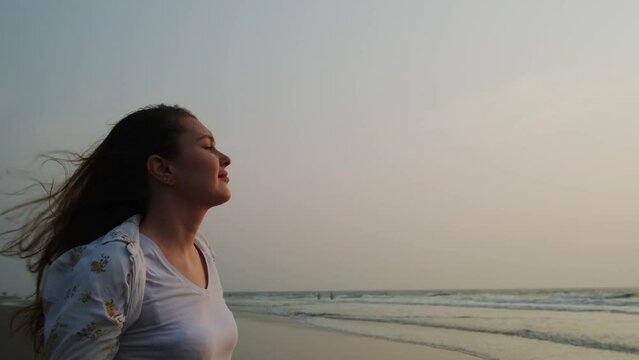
[{"x": 272, "y": 337}]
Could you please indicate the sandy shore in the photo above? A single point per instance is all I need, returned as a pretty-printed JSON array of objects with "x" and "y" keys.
[
  {"x": 16, "y": 347},
  {"x": 264, "y": 337}
]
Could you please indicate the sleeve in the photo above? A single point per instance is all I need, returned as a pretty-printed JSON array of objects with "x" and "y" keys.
[{"x": 85, "y": 295}]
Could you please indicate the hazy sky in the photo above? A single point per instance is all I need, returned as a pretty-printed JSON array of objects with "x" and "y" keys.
[{"x": 375, "y": 144}]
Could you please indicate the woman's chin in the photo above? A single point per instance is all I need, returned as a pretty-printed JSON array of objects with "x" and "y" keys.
[{"x": 221, "y": 199}]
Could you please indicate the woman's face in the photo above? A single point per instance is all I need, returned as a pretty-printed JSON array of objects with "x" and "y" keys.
[{"x": 200, "y": 169}]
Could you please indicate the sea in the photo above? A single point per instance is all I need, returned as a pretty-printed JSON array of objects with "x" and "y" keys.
[{"x": 522, "y": 324}]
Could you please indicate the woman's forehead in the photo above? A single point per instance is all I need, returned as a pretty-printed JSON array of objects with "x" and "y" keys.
[{"x": 194, "y": 128}]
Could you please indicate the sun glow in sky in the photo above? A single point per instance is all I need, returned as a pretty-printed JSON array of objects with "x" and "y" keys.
[{"x": 375, "y": 144}]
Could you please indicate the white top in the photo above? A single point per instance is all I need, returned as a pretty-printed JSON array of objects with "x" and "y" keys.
[
  {"x": 179, "y": 320},
  {"x": 93, "y": 297}
]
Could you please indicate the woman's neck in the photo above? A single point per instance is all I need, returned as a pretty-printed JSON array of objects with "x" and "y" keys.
[{"x": 172, "y": 227}]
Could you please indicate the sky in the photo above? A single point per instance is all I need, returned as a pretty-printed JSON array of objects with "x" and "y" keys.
[{"x": 375, "y": 144}]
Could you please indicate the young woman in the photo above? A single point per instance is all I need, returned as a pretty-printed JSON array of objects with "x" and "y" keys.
[{"x": 122, "y": 270}]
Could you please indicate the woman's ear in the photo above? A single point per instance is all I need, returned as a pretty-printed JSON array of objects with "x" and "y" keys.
[{"x": 159, "y": 169}]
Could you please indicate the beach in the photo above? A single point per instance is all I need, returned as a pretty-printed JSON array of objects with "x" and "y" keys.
[
  {"x": 521, "y": 324},
  {"x": 268, "y": 337},
  {"x": 13, "y": 347}
]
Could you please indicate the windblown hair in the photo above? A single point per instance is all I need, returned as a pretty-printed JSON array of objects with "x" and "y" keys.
[{"x": 109, "y": 184}]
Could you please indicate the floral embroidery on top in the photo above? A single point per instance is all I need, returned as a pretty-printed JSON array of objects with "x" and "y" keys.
[
  {"x": 113, "y": 313},
  {"x": 99, "y": 266},
  {"x": 84, "y": 297},
  {"x": 53, "y": 334},
  {"x": 121, "y": 235},
  {"x": 90, "y": 331},
  {"x": 109, "y": 306},
  {"x": 71, "y": 292},
  {"x": 75, "y": 254}
]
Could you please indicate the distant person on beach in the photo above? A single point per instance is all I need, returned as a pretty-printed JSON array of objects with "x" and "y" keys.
[{"x": 122, "y": 270}]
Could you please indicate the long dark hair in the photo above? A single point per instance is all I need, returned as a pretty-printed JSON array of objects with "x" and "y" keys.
[{"x": 109, "y": 184}]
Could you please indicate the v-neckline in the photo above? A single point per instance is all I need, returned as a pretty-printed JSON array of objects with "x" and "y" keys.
[{"x": 177, "y": 273}]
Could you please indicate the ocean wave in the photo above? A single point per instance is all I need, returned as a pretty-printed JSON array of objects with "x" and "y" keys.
[
  {"x": 622, "y": 301},
  {"x": 522, "y": 333},
  {"x": 629, "y": 308}
]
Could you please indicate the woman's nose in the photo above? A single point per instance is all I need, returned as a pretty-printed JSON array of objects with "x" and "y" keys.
[{"x": 225, "y": 160}]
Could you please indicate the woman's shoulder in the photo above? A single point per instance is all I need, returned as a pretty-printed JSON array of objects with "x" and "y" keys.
[
  {"x": 94, "y": 258},
  {"x": 94, "y": 290},
  {"x": 116, "y": 250}
]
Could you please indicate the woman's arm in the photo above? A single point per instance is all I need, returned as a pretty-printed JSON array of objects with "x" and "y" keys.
[{"x": 86, "y": 295}]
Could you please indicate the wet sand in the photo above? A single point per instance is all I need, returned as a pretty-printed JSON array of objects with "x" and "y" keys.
[{"x": 266, "y": 337}]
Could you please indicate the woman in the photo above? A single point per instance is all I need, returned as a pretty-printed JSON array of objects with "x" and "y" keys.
[{"x": 122, "y": 270}]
